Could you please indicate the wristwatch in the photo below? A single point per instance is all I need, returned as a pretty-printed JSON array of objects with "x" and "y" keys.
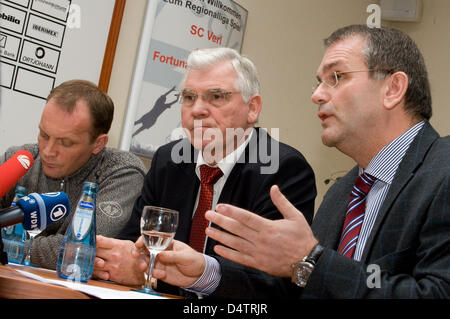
[{"x": 304, "y": 268}]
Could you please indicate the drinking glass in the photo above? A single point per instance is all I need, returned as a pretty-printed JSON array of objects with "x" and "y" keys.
[
  {"x": 158, "y": 227},
  {"x": 32, "y": 233}
]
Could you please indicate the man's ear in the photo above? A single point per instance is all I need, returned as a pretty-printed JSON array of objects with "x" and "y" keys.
[
  {"x": 254, "y": 108},
  {"x": 396, "y": 87},
  {"x": 100, "y": 143}
]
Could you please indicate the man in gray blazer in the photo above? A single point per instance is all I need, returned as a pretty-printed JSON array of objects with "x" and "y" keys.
[{"x": 391, "y": 239}]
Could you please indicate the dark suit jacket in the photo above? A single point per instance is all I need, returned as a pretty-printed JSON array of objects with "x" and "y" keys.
[
  {"x": 410, "y": 240},
  {"x": 175, "y": 185}
]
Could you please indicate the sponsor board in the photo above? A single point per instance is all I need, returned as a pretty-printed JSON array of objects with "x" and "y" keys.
[
  {"x": 12, "y": 19},
  {"x": 9, "y": 46},
  {"x": 33, "y": 83},
  {"x": 7, "y": 74},
  {"x": 45, "y": 30},
  {"x": 40, "y": 56}
]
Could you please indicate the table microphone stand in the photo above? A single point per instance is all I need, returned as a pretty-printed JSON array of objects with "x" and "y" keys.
[{"x": 3, "y": 255}]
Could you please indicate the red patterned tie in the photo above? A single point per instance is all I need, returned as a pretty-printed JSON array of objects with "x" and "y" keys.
[
  {"x": 355, "y": 214},
  {"x": 208, "y": 176}
]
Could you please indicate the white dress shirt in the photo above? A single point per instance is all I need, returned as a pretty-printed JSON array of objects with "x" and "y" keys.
[{"x": 210, "y": 278}]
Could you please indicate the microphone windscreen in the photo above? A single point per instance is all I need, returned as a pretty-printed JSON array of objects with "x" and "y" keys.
[
  {"x": 13, "y": 169},
  {"x": 41, "y": 210}
]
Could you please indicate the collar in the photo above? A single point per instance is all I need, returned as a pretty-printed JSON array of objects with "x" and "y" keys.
[
  {"x": 384, "y": 165},
  {"x": 228, "y": 162}
]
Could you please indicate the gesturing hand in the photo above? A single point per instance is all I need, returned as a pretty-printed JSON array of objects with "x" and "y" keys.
[{"x": 268, "y": 245}]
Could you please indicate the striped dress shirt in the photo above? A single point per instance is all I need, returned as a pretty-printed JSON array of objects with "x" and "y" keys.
[{"x": 383, "y": 167}]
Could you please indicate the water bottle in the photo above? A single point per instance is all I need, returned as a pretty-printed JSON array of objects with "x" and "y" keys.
[
  {"x": 14, "y": 236},
  {"x": 77, "y": 253}
]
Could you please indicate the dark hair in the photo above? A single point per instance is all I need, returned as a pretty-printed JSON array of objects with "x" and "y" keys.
[
  {"x": 393, "y": 50},
  {"x": 100, "y": 104}
]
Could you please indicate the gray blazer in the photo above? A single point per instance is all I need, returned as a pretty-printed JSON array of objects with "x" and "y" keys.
[{"x": 410, "y": 240}]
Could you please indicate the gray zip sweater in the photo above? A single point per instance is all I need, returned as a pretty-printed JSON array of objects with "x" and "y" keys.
[{"x": 119, "y": 176}]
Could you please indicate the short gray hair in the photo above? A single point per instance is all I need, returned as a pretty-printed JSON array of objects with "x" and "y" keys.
[{"x": 247, "y": 75}]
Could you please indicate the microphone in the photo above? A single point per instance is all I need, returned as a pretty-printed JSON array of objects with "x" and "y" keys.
[
  {"x": 36, "y": 211},
  {"x": 13, "y": 169}
]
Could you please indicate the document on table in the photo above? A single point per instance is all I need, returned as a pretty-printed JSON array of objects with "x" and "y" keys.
[{"x": 99, "y": 292}]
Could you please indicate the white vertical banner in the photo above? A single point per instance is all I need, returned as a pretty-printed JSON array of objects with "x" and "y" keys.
[{"x": 172, "y": 29}]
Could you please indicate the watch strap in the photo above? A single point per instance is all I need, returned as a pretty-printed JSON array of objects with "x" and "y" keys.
[{"x": 314, "y": 254}]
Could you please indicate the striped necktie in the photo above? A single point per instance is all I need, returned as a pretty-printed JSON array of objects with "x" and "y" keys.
[
  {"x": 208, "y": 177},
  {"x": 355, "y": 214}
]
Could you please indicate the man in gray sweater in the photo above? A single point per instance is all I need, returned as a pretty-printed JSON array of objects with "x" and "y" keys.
[{"x": 71, "y": 149}]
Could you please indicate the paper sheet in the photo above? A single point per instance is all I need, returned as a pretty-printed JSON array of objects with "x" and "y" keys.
[{"x": 99, "y": 292}]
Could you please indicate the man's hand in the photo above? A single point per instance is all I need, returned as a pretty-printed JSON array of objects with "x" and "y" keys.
[
  {"x": 268, "y": 245},
  {"x": 178, "y": 265},
  {"x": 116, "y": 260}
]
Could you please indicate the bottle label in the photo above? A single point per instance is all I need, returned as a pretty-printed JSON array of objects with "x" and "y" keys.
[
  {"x": 14, "y": 202},
  {"x": 86, "y": 205},
  {"x": 9, "y": 230},
  {"x": 82, "y": 219}
]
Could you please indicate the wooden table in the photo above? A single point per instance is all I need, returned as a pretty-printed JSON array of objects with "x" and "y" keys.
[{"x": 14, "y": 285}]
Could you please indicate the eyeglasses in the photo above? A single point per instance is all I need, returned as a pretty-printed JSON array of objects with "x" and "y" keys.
[
  {"x": 333, "y": 79},
  {"x": 215, "y": 97}
]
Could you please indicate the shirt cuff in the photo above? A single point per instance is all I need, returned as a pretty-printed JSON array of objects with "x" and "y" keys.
[{"x": 209, "y": 280}]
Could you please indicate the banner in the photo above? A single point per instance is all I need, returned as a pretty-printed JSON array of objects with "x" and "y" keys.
[
  {"x": 173, "y": 28},
  {"x": 44, "y": 43}
]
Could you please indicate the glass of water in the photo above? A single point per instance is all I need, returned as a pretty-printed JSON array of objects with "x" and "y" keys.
[
  {"x": 158, "y": 227},
  {"x": 32, "y": 233}
]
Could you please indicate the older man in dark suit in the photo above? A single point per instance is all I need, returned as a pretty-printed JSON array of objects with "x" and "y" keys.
[
  {"x": 383, "y": 230},
  {"x": 220, "y": 104}
]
